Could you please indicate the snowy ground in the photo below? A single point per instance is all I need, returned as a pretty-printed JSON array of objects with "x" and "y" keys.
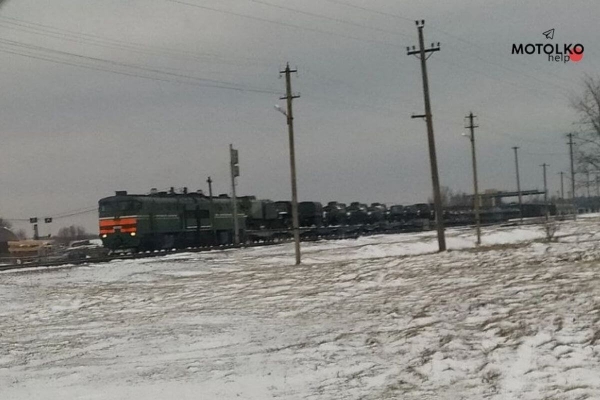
[{"x": 381, "y": 317}]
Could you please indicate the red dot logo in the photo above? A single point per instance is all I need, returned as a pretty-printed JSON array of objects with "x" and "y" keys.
[{"x": 574, "y": 56}]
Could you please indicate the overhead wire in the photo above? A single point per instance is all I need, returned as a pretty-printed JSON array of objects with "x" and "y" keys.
[
  {"x": 324, "y": 17},
  {"x": 280, "y": 23},
  {"x": 152, "y": 70},
  {"x": 457, "y": 37},
  {"x": 127, "y": 46},
  {"x": 529, "y": 89},
  {"x": 82, "y": 37},
  {"x": 62, "y": 215},
  {"x": 204, "y": 82}
]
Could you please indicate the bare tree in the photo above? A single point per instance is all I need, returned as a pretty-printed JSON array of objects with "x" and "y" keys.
[
  {"x": 73, "y": 232},
  {"x": 587, "y": 137},
  {"x": 5, "y": 223},
  {"x": 451, "y": 198},
  {"x": 445, "y": 194}
]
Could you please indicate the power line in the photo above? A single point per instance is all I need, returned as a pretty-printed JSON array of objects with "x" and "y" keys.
[
  {"x": 117, "y": 63},
  {"x": 469, "y": 42},
  {"x": 542, "y": 154},
  {"x": 62, "y": 215},
  {"x": 81, "y": 37},
  {"x": 371, "y": 10},
  {"x": 338, "y": 20},
  {"x": 285, "y": 24},
  {"x": 107, "y": 42},
  {"x": 521, "y": 138},
  {"x": 95, "y": 68},
  {"x": 526, "y": 89},
  {"x": 74, "y": 213},
  {"x": 204, "y": 82}
]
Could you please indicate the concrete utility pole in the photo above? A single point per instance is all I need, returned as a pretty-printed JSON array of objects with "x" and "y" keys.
[
  {"x": 235, "y": 171},
  {"x": 472, "y": 127},
  {"x": 212, "y": 210},
  {"x": 562, "y": 186},
  {"x": 421, "y": 53},
  {"x": 518, "y": 183},
  {"x": 290, "y": 121},
  {"x": 573, "y": 194},
  {"x": 587, "y": 184},
  {"x": 544, "y": 165}
]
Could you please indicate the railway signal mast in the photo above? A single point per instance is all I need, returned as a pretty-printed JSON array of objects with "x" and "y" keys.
[
  {"x": 235, "y": 172},
  {"x": 34, "y": 222},
  {"x": 423, "y": 55}
]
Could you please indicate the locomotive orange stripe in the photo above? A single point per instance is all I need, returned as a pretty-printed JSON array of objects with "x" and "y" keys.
[
  {"x": 123, "y": 230},
  {"x": 117, "y": 222},
  {"x": 125, "y": 225}
]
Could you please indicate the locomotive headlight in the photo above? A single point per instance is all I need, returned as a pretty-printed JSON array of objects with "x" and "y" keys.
[
  {"x": 104, "y": 236},
  {"x": 132, "y": 233}
]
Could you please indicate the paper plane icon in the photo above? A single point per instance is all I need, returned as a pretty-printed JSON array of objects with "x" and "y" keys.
[{"x": 549, "y": 34}]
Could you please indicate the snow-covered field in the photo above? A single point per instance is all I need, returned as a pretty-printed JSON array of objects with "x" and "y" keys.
[{"x": 381, "y": 317}]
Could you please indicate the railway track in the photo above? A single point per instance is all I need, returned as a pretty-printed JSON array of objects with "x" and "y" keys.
[{"x": 329, "y": 233}]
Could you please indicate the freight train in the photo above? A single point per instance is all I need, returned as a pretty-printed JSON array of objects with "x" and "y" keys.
[{"x": 167, "y": 220}]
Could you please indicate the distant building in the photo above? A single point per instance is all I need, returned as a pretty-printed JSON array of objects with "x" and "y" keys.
[{"x": 6, "y": 236}]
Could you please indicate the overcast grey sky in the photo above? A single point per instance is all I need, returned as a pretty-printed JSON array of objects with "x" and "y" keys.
[{"x": 72, "y": 135}]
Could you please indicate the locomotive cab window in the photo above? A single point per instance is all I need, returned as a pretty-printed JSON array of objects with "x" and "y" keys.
[{"x": 121, "y": 206}]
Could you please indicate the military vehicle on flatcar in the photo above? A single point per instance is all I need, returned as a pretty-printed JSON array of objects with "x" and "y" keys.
[
  {"x": 310, "y": 213},
  {"x": 335, "y": 213}
]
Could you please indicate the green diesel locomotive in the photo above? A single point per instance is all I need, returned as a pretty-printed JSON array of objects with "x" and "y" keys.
[{"x": 166, "y": 220}]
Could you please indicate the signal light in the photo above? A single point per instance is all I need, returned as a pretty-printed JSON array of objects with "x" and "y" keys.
[{"x": 235, "y": 168}]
